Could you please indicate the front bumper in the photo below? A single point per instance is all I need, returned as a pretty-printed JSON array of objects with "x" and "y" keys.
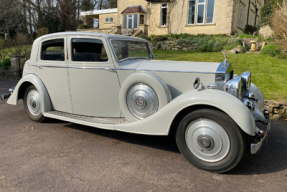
[{"x": 255, "y": 147}]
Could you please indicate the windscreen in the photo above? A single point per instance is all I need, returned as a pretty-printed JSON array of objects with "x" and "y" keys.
[{"x": 131, "y": 49}]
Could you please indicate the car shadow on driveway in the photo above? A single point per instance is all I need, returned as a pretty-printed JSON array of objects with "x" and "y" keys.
[
  {"x": 272, "y": 158},
  {"x": 166, "y": 143}
]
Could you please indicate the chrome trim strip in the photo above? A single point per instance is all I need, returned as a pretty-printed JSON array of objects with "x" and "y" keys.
[
  {"x": 129, "y": 69},
  {"x": 99, "y": 68},
  {"x": 176, "y": 71}
]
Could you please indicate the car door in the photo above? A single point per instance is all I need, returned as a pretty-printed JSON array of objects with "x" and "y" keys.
[
  {"x": 94, "y": 83},
  {"x": 52, "y": 70}
]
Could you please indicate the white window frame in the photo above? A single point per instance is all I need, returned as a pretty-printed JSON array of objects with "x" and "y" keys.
[
  {"x": 195, "y": 13},
  {"x": 132, "y": 19},
  {"x": 161, "y": 7},
  {"x": 107, "y": 20},
  {"x": 204, "y": 12},
  {"x": 111, "y": 18}
]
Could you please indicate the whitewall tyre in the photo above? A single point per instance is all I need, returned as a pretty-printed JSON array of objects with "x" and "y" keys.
[
  {"x": 33, "y": 104},
  {"x": 210, "y": 140}
]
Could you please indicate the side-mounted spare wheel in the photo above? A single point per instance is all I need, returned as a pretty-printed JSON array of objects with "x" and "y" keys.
[
  {"x": 210, "y": 140},
  {"x": 33, "y": 104},
  {"x": 142, "y": 94}
]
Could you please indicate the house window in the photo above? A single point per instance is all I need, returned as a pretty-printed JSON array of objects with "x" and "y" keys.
[
  {"x": 209, "y": 11},
  {"x": 111, "y": 19},
  {"x": 240, "y": 22},
  {"x": 191, "y": 12},
  {"x": 106, "y": 20},
  {"x": 125, "y": 20},
  {"x": 200, "y": 11},
  {"x": 163, "y": 17},
  {"x": 88, "y": 50},
  {"x": 135, "y": 21},
  {"x": 142, "y": 19},
  {"x": 53, "y": 50},
  {"x": 130, "y": 21}
]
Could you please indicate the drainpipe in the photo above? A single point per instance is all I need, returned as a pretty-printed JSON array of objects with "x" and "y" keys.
[{"x": 248, "y": 12}]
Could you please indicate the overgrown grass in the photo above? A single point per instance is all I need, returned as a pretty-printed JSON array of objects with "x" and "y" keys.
[{"x": 268, "y": 73}]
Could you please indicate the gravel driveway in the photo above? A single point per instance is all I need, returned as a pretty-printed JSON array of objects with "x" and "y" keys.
[{"x": 61, "y": 156}]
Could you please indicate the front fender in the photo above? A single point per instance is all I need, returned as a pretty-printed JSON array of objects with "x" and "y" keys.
[
  {"x": 36, "y": 81},
  {"x": 160, "y": 122}
]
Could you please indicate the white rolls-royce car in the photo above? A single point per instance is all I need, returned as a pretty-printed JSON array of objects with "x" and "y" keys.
[{"x": 114, "y": 82}]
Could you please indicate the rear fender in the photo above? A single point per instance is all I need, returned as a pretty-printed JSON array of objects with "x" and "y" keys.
[
  {"x": 36, "y": 81},
  {"x": 160, "y": 122}
]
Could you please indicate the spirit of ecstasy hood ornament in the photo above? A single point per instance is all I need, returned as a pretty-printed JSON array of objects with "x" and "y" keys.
[{"x": 225, "y": 60}]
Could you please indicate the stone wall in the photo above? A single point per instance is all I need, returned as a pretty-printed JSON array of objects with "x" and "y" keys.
[
  {"x": 277, "y": 109},
  {"x": 173, "y": 45},
  {"x": 9, "y": 73}
]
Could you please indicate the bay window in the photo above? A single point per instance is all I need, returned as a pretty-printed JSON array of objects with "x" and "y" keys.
[{"x": 130, "y": 21}]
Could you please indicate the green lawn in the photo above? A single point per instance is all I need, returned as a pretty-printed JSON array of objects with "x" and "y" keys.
[{"x": 268, "y": 73}]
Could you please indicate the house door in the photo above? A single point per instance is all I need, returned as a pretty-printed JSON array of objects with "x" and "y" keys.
[{"x": 94, "y": 85}]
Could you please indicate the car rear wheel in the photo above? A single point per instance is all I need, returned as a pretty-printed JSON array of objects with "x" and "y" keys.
[
  {"x": 33, "y": 104},
  {"x": 210, "y": 140}
]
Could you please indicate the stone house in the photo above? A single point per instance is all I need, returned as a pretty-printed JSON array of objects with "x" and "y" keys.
[{"x": 159, "y": 17}]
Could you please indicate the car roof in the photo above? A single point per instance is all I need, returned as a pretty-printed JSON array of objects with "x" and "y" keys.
[{"x": 108, "y": 36}]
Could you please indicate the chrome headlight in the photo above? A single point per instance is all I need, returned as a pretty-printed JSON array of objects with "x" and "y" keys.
[
  {"x": 234, "y": 87},
  {"x": 246, "y": 80}
]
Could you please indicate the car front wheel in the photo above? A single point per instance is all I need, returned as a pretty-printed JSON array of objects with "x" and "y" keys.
[
  {"x": 33, "y": 104},
  {"x": 210, "y": 140}
]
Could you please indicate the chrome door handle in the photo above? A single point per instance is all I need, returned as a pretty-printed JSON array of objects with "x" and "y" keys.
[{"x": 110, "y": 69}]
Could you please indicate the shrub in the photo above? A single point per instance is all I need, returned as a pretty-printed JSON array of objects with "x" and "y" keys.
[
  {"x": 202, "y": 44},
  {"x": 219, "y": 44},
  {"x": 210, "y": 45},
  {"x": 159, "y": 46},
  {"x": 6, "y": 63},
  {"x": 42, "y": 31},
  {"x": 83, "y": 26},
  {"x": 272, "y": 50},
  {"x": 267, "y": 12},
  {"x": 249, "y": 29},
  {"x": 279, "y": 23}
]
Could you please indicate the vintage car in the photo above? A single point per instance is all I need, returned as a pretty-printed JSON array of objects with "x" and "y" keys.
[{"x": 114, "y": 82}]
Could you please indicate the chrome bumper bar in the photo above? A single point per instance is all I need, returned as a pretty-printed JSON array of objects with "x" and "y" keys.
[
  {"x": 7, "y": 95},
  {"x": 256, "y": 147}
]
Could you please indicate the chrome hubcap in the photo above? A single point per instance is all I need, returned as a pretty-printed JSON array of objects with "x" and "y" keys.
[
  {"x": 207, "y": 140},
  {"x": 34, "y": 102},
  {"x": 142, "y": 101}
]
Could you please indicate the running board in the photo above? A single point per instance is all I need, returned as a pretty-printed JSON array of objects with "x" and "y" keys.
[{"x": 105, "y": 123}]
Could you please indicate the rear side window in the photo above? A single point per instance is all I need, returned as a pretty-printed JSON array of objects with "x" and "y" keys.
[
  {"x": 53, "y": 50},
  {"x": 88, "y": 50}
]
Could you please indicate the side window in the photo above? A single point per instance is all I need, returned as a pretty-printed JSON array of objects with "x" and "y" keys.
[
  {"x": 53, "y": 50},
  {"x": 88, "y": 50}
]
